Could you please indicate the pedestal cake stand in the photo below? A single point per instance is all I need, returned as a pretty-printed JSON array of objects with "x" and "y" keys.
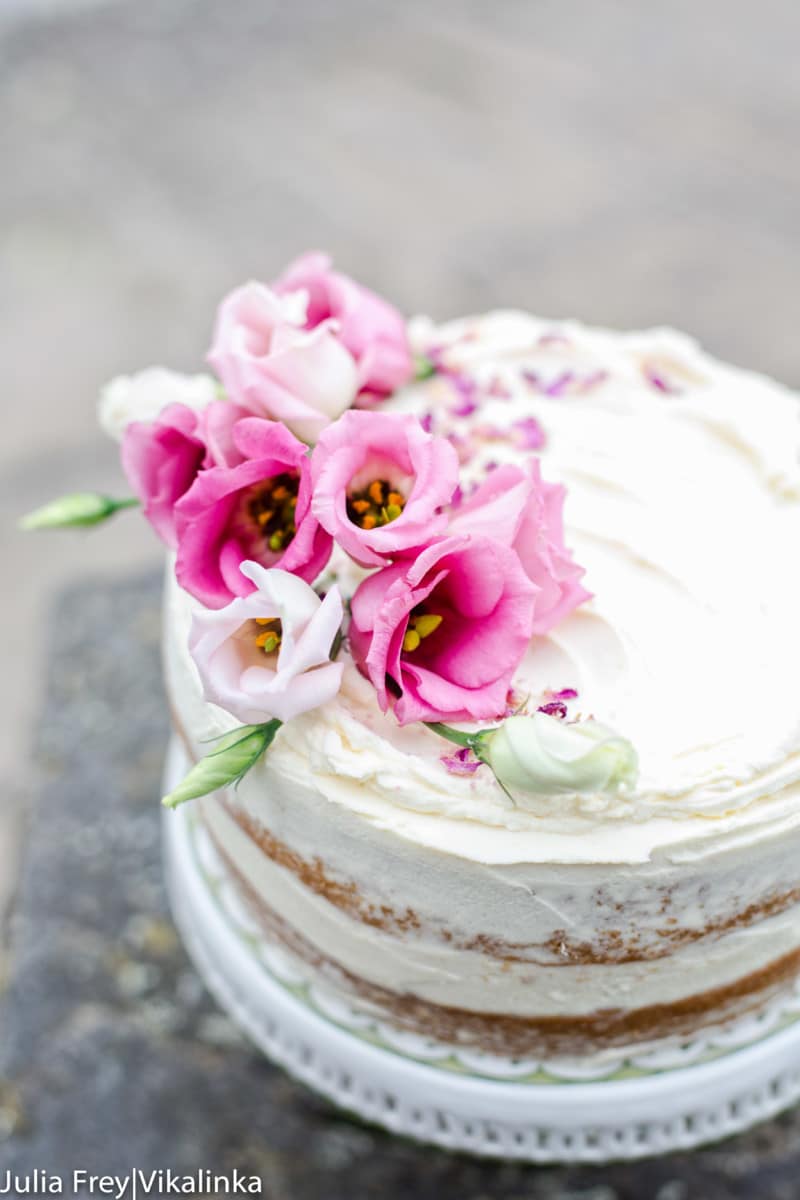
[{"x": 536, "y": 1111}]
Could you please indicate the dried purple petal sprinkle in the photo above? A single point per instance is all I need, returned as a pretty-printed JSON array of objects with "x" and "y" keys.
[
  {"x": 462, "y": 762},
  {"x": 529, "y": 433},
  {"x": 464, "y": 408},
  {"x": 426, "y": 421},
  {"x": 559, "y": 385},
  {"x": 554, "y": 708},
  {"x": 564, "y": 694},
  {"x": 567, "y": 383},
  {"x": 655, "y": 378}
]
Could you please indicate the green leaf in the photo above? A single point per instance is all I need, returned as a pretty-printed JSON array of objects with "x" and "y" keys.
[
  {"x": 229, "y": 761},
  {"x": 75, "y": 510},
  {"x": 423, "y": 367}
]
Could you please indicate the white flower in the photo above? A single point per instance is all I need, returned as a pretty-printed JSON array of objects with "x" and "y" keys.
[
  {"x": 545, "y": 755},
  {"x": 141, "y": 397},
  {"x": 267, "y": 655}
]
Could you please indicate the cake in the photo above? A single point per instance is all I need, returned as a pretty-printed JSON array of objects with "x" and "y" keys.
[{"x": 583, "y": 914}]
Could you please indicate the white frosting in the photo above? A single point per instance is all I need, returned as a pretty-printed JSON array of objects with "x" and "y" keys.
[{"x": 684, "y": 507}]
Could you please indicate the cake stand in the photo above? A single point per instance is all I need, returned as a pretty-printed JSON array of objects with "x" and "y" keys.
[{"x": 554, "y": 1111}]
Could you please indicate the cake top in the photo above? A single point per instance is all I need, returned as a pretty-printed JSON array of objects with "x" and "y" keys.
[{"x": 640, "y": 666}]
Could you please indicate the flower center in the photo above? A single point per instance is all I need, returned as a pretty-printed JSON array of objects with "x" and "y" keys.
[
  {"x": 269, "y": 636},
  {"x": 377, "y": 504},
  {"x": 420, "y": 626},
  {"x": 271, "y": 506}
]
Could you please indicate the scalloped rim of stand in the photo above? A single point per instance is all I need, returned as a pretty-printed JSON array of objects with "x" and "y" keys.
[{"x": 562, "y": 1120}]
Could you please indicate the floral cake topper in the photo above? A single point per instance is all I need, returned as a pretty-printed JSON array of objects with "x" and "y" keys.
[{"x": 253, "y": 478}]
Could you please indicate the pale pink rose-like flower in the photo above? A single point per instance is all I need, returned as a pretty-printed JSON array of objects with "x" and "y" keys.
[
  {"x": 266, "y": 655},
  {"x": 269, "y": 362},
  {"x": 519, "y": 508},
  {"x": 440, "y": 637},
  {"x": 252, "y": 501},
  {"x": 372, "y": 329},
  {"x": 161, "y": 459},
  {"x": 379, "y": 483}
]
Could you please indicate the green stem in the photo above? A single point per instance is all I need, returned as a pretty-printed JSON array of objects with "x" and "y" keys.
[
  {"x": 472, "y": 741},
  {"x": 452, "y": 735}
]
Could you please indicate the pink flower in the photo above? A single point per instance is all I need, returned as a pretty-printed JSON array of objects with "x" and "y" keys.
[
  {"x": 519, "y": 509},
  {"x": 253, "y": 502},
  {"x": 271, "y": 363},
  {"x": 267, "y": 655},
  {"x": 379, "y": 481},
  {"x": 161, "y": 459},
  {"x": 372, "y": 329},
  {"x": 441, "y": 637}
]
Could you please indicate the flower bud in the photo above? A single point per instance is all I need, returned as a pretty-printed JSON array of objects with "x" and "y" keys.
[
  {"x": 545, "y": 755},
  {"x": 79, "y": 508},
  {"x": 228, "y": 762}
]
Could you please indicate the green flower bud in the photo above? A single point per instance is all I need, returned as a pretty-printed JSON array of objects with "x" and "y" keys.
[
  {"x": 229, "y": 761},
  {"x": 80, "y": 508},
  {"x": 546, "y": 756}
]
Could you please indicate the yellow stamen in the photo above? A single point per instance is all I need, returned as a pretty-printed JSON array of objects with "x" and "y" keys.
[
  {"x": 369, "y": 508},
  {"x": 270, "y": 505},
  {"x": 426, "y": 624},
  {"x": 411, "y": 640},
  {"x": 264, "y": 620}
]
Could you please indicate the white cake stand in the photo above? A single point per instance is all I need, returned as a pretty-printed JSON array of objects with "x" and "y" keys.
[{"x": 651, "y": 1104}]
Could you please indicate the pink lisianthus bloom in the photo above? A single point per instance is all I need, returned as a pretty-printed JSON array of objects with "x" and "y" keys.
[
  {"x": 379, "y": 482},
  {"x": 441, "y": 636},
  {"x": 161, "y": 459},
  {"x": 272, "y": 364},
  {"x": 267, "y": 655},
  {"x": 252, "y": 502},
  {"x": 372, "y": 329},
  {"x": 518, "y": 508}
]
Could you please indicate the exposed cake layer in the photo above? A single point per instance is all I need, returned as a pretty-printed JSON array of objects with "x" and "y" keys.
[
  {"x": 530, "y": 941},
  {"x": 574, "y": 1035}
]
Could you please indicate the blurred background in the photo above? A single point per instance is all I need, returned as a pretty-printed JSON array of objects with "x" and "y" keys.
[{"x": 628, "y": 164}]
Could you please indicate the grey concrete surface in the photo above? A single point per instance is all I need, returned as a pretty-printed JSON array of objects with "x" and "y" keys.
[{"x": 114, "y": 1058}]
